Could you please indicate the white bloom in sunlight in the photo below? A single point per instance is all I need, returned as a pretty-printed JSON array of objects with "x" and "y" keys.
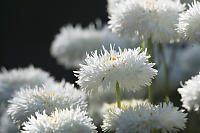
[
  {"x": 130, "y": 68},
  {"x": 30, "y": 100},
  {"x": 14, "y": 79},
  {"x": 190, "y": 93},
  {"x": 71, "y": 44},
  {"x": 170, "y": 118},
  {"x": 60, "y": 121},
  {"x": 147, "y": 18},
  {"x": 144, "y": 118},
  {"x": 129, "y": 119},
  {"x": 189, "y": 22},
  {"x": 111, "y": 112}
]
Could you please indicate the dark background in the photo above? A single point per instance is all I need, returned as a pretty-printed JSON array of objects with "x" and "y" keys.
[{"x": 29, "y": 27}]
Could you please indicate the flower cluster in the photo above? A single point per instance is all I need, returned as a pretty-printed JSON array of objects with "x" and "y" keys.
[
  {"x": 39, "y": 104},
  {"x": 13, "y": 80},
  {"x": 27, "y": 101},
  {"x": 144, "y": 118}
]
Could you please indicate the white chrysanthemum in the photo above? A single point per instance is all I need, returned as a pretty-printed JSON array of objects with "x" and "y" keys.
[
  {"x": 14, "y": 79},
  {"x": 71, "y": 44},
  {"x": 130, "y": 68},
  {"x": 96, "y": 102},
  {"x": 6, "y": 124},
  {"x": 129, "y": 119},
  {"x": 189, "y": 22},
  {"x": 144, "y": 118},
  {"x": 28, "y": 101},
  {"x": 170, "y": 118},
  {"x": 190, "y": 93},
  {"x": 153, "y": 19},
  {"x": 61, "y": 121}
]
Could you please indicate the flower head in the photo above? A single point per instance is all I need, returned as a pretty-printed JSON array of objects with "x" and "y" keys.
[
  {"x": 30, "y": 100},
  {"x": 15, "y": 79},
  {"x": 190, "y": 93},
  {"x": 153, "y": 19},
  {"x": 189, "y": 22},
  {"x": 71, "y": 44},
  {"x": 144, "y": 118},
  {"x": 170, "y": 118},
  {"x": 60, "y": 121},
  {"x": 130, "y": 68}
]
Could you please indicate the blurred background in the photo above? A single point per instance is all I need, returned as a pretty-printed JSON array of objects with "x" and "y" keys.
[{"x": 29, "y": 27}]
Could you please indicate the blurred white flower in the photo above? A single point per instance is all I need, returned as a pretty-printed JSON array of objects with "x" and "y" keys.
[
  {"x": 6, "y": 124},
  {"x": 71, "y": 44},
  {"x": 111, "y": 5},
  {"x": 130, "y": 68},
  {"x": 27, "y": 101},
  {"x": 14, "y": 79},
  {"x": 190, "y": 93},
  {"x": 60, "y": 121},
  {"x": 153, "y": 19},
  {"x": 189, "y": 22},
  {"x": 144, "y": 118}
]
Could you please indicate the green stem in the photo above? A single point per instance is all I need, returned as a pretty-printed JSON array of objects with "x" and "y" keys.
[
  {"x": 166, "y": 69},
  {"x": 143, "y": 46},
  {"x": 150, "y": 52},
  {"x": 118, "y": 95}
]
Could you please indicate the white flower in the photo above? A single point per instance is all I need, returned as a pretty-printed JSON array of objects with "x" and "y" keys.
[
  {"x": 153, "y": 19},
  {"x": 14, "y": 79},
  {"x": 135, "y": 118},
  {"x": 71, "y": 44},
  {"x": 97, "y": 102},
  {"x": 111, "y": 112},
  {"x": 144, "y": 118},
  {"x": 111, "y": 5},
  {"x": 170, "y": 118},
  {"x": 190, "y": 93},
  {"x": 60, "y": 121},
  {"x": 189, "y": 22},
  {"x": 28, "y": 101},
  {"x": 130, "y": 68}
]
